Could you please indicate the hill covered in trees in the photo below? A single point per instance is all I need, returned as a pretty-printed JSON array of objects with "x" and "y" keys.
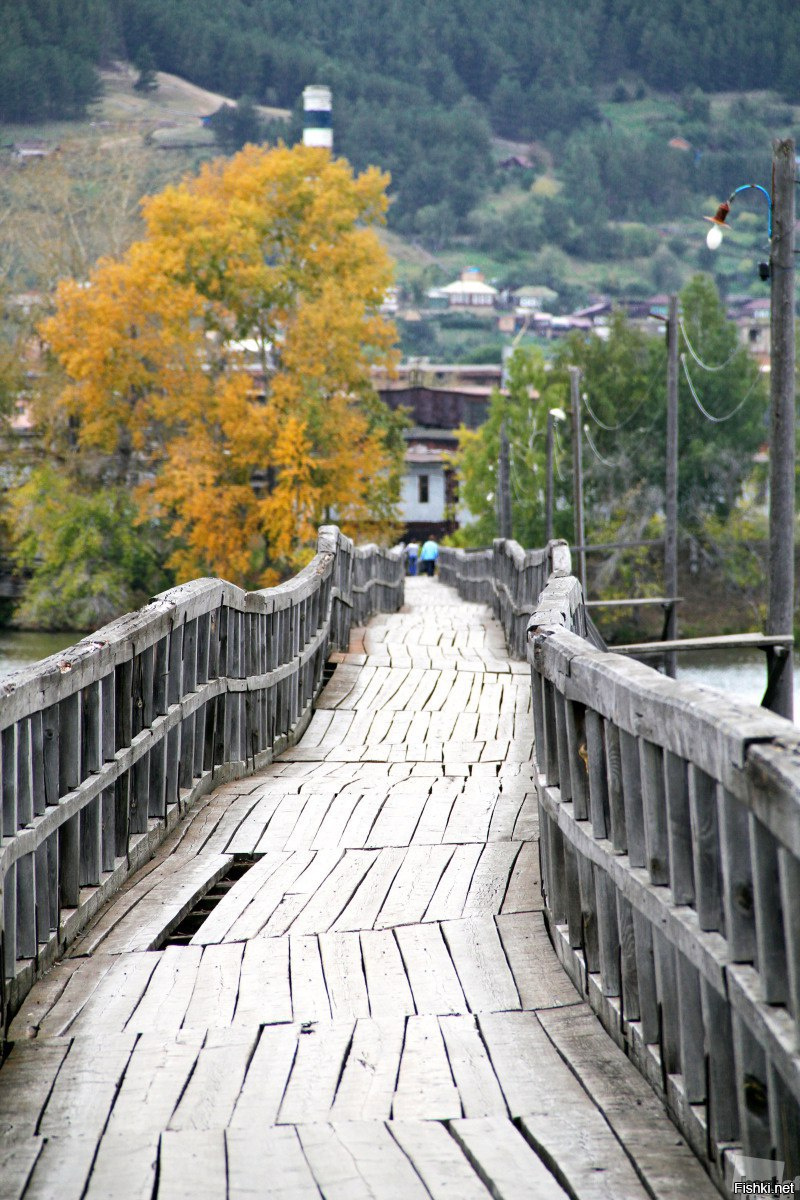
[{"x": 627, "y": 113}]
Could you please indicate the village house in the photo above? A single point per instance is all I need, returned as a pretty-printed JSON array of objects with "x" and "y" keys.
[
  {"x": 439, "y": 398},
  {"x": 470, "y": 291}
]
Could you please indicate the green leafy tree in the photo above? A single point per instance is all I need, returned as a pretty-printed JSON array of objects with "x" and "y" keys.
[
  {"x": 87, "y": 560},
  {"x": 624, "y": 379},
  {"x": 523, "y": 406}
]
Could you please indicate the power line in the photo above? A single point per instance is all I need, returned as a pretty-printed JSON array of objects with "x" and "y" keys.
[
  {"x": 612, "y": 428},
  {"x": 696, "y": 357},
  {"x": 606, "y": 462},
  {"x": 709, "y": 416}
]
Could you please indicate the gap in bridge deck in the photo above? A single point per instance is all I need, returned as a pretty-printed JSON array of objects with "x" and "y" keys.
[{"x": 373, "y": 1009}]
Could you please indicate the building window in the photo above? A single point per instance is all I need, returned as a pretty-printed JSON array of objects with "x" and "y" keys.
[{"x": 424, "y": 490}]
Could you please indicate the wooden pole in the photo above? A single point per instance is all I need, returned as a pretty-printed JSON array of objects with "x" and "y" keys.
[
  {"x": 671, "y": 487},
  {"x": 780, "y": 605},
  {"x": 577, "y": 471},
  {"x": 504, "y": 486},
  {"x": 548, "y": 504}
]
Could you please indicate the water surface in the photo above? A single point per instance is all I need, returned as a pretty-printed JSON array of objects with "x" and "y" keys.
[{"x": 21, "y": 647}]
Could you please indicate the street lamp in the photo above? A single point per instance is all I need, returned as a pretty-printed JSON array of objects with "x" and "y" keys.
[
  {"x": 780, "y": 272},
  {"x": 719, "y": 220}
]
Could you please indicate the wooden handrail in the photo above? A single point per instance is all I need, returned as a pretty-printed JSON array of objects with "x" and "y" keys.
[
  {"x": 670, "y": 848},
  {"x": 106, "y": 744}
]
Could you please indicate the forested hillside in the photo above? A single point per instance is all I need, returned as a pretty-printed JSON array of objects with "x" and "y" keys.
[{"x": 615, "y": 105}]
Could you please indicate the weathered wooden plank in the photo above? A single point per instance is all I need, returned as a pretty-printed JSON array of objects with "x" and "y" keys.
[
  {"x": 439, "y": 796},
  {"x": 26, "y": 1080},
  {"x": 154, "y": 1081},
  {"x": 264, "y": 903},
  {"x": 86, "y": 1086},
  {"x": 212, "y": 1092},
  {"x": 481, "y": 965},
  {"x": 370, "y": 895},
  {"x": 431, "y": 974},
  {"x": 322, "y": 1050},
  {"x": 425, "y": 1089},
  {"x": 169, "y": 990},
  {"x": 269, "y": 1164},
  {"x": 524, "y": 892},
  {"x": 344, "y": 975},
  {"x": 114, "y": 1000},
  {"x": 489, "y": 883},
  {"x": 663, "y": 1160},
  {"x": 62, "y": 1166},
  {"x": 557, "y": 1116},
  {"x": 388, "y": 987},
  {"x": 359, "y": 1160},
  {"x": 438, "y": 1160},
  {"x": 310, "y": 1000},
  {"x": 477, "y": 1084},
  {"x": 413, "y": 885},
  {"x": 450, "y": 896},
  {"x": 17, "y": 1162},
  {"x": 216, "y": 987},
  {"x": 264, "y": 1086},
  {"x": 503, "y": 1160},
  {"x": 79, "y": 987},
  {"x": 367, "y": 1085},
  {"x": 192, "y": 1163},
  {"x": 332, "y": 897},
  {"x": 264, "y": 996},
  {"x": 298, "y": 893}
]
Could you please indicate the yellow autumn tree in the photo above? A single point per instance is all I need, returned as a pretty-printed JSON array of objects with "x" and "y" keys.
[{"x": 220, "y": 370}]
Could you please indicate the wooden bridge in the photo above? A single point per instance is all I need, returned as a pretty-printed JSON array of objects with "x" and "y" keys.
[{"x": 297, "y": 938}]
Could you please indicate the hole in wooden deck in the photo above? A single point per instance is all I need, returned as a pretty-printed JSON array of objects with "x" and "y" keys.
[
  {"x": 327, "y": 672},
  {"x": 183, "y": 933}
]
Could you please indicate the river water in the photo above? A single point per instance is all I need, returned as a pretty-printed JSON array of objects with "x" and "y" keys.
[
  {"x": 737, "y": 672},
  {"x": 20, "y": 647}
]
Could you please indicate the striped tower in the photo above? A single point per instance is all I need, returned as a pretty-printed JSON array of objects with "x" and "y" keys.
[{"x": 317, "y": 126}]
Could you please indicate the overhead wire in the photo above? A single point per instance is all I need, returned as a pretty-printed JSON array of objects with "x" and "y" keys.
[
  {"x": 606, "y": 462},
  {"x": 705, "y": 366},
  {"x": 612, "y": 428},
  {"x": 710, "y": 416}
]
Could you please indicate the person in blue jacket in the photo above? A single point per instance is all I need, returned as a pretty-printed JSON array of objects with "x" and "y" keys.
[{"x": 428, "y": 556}]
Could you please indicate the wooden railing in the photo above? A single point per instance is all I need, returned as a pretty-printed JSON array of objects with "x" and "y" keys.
[
  {"x": 670, "y": 848},
  {"x": 106, "y": 744},
  {"x": 507, "y": 578}
]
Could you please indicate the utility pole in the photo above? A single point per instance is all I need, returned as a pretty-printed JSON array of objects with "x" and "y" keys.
[
  {"x": 671, "y": 487},
  {"x": 577, "y": 471},
  {"x": 548, "y": 502},
  {"x": 780, "y": 605},
  {"x": 504, "y": 486}
]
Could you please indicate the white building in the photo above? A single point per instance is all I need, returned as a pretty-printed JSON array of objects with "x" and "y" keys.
[
  {"x": 470, "y": 291},
  {"x": 423, "y": 495}
]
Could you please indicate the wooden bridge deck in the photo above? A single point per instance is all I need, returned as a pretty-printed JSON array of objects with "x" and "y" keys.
[{"x": 374, "y": 1008}]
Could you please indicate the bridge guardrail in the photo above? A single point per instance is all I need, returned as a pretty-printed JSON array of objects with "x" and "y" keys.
[
  {"x": 106, "y": 744},
  {"x": 670, "y": 854},
  {"x": 670, "y": 848},
  {"x": 507, "y": 578}
]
